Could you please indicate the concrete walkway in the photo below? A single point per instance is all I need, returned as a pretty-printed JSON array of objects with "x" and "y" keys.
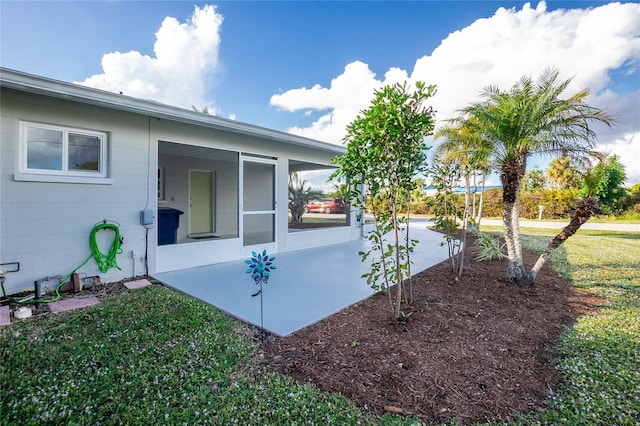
[{"x": 307, "y": 286}]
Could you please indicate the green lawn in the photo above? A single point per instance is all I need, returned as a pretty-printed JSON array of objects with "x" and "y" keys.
[
  {"x": 157, "y": 356},
  {"x": 600, "y": 356}
]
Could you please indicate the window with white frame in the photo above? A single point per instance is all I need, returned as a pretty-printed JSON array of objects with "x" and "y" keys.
[{"x": 65, "y": 151}]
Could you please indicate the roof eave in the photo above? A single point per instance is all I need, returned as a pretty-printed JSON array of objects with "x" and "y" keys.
[{"x": 62, "y": 90}]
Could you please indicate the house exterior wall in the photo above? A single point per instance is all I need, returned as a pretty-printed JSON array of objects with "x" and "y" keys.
[
  {"x": 45, "y": 226},
  {"x": 179, "y": 256}
]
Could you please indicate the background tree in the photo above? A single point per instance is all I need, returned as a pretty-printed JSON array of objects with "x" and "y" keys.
[
  {"x": 533, "y": 180},
  {"x": 532, "y": 118},
  {"x": 563, "y": 173},
  {"x": 605, "y": 181},
  {"x": 385, "y": 151},
  {"x": 300, "y": 193},
  {"x": 447, "y": 211},
  {"x": 339, "y": 191},
  {"x": 465, "y": 146},
  {"x": 419, "y": 195},
  {"x": 205, "y": 110},
  {"x": 456, "y": 159}
]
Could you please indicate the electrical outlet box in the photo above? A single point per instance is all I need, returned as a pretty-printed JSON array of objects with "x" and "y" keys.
[{"x": 146, "y": 217}]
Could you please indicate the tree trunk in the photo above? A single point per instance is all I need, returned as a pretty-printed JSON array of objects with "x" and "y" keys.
[
  {"x": 296, "y": 215},
  {"x": 407, "y": 241},
  {"x": 394, "y": 218},
  {"x": 481, "y": 203},
  {"x": 467, "y": 201},
  {"x": 465, "y": 225},
  {"x": 475, "y": 189},
  {"x": 584, "y": 209},
  {"x": 511, "y": 177},
  {"x": 516, "y": 273}
]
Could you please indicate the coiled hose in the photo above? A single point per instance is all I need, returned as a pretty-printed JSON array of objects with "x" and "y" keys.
[{"x": 104, "y": 261}]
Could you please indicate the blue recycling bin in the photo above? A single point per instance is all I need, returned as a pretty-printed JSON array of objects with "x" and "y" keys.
[{"x": 168, "y": 223}]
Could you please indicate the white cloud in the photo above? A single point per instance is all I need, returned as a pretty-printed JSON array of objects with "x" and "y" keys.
[
  {"x": 347, "y": 95},
  {"x": 628, "y": 149},
  {"x": 185, "y": 54},
  {"x": 586, "y": 44},
  {"x": 318, "y": 180}
]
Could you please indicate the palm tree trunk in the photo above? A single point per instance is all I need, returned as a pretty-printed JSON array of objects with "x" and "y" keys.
[
  {"x": 511, "y": 177},
  {"x": 465, "y": 225},
  {"x": 515, "y": 271},
  {"x": 475, "y": 189},
  {"x": 584, "y": 209}
]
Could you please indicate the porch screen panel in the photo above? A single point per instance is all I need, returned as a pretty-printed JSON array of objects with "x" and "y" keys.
[
  {"x": 258, "y": 229},
  {"x": 259, "y": 188},
  {"x": 258, "y": 193}
]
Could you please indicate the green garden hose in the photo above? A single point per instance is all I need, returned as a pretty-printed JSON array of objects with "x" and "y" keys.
[{"x": 104, "y": 261}]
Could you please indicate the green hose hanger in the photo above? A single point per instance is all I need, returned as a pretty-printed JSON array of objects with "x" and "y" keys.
[{"x": 108, "y": 260}]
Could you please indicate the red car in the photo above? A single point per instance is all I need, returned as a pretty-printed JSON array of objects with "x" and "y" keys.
[{"x": 325, "y": 205}]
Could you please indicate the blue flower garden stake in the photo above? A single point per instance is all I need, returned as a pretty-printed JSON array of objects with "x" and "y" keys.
[{"x": 260, "y": 267}]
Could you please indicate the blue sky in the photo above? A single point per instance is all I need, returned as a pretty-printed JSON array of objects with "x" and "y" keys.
[{"x": 309, "y": 67}]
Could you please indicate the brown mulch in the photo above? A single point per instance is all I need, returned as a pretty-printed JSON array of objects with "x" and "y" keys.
[{"x": 474, "y": 350}]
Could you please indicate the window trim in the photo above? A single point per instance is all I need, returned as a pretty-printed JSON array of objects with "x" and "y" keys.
[
  {"x": 161, "y": 196},
  {"x": 66, "y": 174}
]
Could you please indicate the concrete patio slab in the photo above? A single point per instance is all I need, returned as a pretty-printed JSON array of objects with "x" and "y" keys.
[
  {"x": 5, "y": 315},
  {"x": 132, "y": 285},
  {"x": 307, "y": 286},
  {"x": 73, "y": 303}
]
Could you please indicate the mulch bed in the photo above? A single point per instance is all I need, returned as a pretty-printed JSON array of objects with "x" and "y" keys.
[{"x": 472, "y": 350}]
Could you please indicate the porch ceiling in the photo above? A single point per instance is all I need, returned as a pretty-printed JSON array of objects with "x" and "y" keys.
[
  {"x": 300, "y": 166},
  {"x": 172, "y": 148}
]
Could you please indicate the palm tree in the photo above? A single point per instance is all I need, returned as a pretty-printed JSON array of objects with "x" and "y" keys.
[
  {"x": 461, "y": 150},
  {"x": 529, "y": 119},
  {"x": 300, "y": 193},
  {"x": 466, "y": 147}
]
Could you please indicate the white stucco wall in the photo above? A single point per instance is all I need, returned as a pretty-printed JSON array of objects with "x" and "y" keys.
[{"x": 46, "y": 225}]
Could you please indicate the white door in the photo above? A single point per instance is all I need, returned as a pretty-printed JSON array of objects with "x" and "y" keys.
[
  {"x": 201, "y": 184},
  {"x": 258, "y": 205}
]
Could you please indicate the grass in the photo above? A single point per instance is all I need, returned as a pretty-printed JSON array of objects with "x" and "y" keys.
[
  {"x": 157, "y": 356},
  {"x": 600, "y": 356},
  {"x": 150, "y": 356}
]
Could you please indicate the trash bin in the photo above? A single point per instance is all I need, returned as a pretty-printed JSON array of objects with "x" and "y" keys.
[{"x": 168, "y": 223}]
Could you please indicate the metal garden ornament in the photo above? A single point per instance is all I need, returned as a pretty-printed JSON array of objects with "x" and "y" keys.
[{"x": 260, "y": 267}]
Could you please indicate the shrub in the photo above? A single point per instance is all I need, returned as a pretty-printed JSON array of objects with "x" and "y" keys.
[
  {"x": 492, "y": 203},
  {"x": 490, "y": 247},
  {"x": 420, "y": 207}
]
